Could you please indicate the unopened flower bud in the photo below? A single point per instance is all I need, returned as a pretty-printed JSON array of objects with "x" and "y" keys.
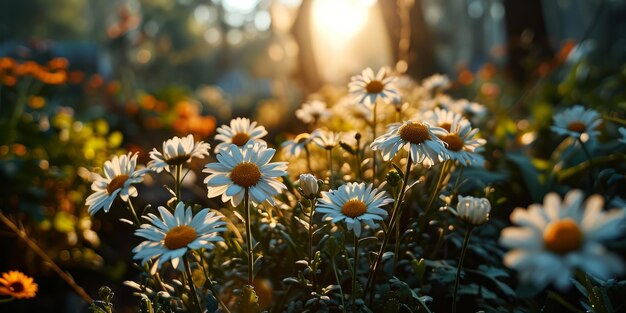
[
  {"x": 474, "y": 211},
  {"x": 309, "y": 186},
  {"x": 394, "y": 178}
]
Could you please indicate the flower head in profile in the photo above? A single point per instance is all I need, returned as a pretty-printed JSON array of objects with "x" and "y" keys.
[
  {"x": 557, "y": 237},
  {"x": 473, "y": 111},
  {"x": 313, "y": 111},
  {"x": 177, "y": 151},
  {"x": 420, "y": 139},
  {"x": 170, "y": 236},
  {"x": 367, "y": 88},
  {"x": 474, "y": 211},
  {"x": 249, "y": 168},
  {"x": 240, "y": 131},
  {"x": 354, "y": 203},
  {"x": 119, "y": 176},
  {"x": 436, "y": 82},
  {"x": 293, "y": 148},
  {"x": 326, "y": 139},
  {"x": 577, "y": 122},
  {"x": 461, "y": 144},
  {"x": 17, "y": 285}
]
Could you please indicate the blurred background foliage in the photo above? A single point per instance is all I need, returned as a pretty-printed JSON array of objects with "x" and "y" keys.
[{"x": 82, "y": 80}]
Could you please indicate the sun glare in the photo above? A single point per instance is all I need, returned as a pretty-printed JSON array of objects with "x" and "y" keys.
[{"x": 342, "y": 18}]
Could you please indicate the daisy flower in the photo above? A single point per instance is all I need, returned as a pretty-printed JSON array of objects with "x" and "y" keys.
[
  {"x": 472, "y": 110},
  {"x": 240, "y": 131},
  {"x": 577, "y": 122},
  {"x": 170, "y": 236},
  {"x": 313, "y": 111},
  {"x": 460, "y": 142},
  {"x": 177, "y": 151},
  {"x": 436, "y": 82},
  {"x": 119, "y": 176},
  {"x": 248, "y": 168},
  {"x": 293, "y": 148},
  {"x": 557, "y": 237},
  {"x": 354, "y": 203},
  {"x": 368, "y": 87},
  {"x": 420, "y": 139},
  {"x": 326, "y": 139},
  {"x": 17, "y": 285}
]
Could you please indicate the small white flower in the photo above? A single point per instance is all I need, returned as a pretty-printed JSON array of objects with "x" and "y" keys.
[
  {"x": 118, "y": 180},
  {"x": 169, "y": 237},
  {"x": 293, "y": 148},
  {"x": 420, "y": 139},
  {"x": 354, "y": 203},
  {"x": 474, "y": 211},
  {"x": 622, "y": 131},
  {"x": 248, "y": 168},
  {"x": 474, "y": 111},
  {"x": 313, "y": 111},
  {"x": 326, "y": 139},
  {"x": 177, "y": 151},
  {"x": 367, "y": 88},
  {"x": 240, "y": 131},
  {"x": 460, "y": 142},
  {"x": 436, "y": 82},
  {"x": 309, "y": 186},
  {"x": 577, "y": 122},
  {"x": 557, "y": 237}
]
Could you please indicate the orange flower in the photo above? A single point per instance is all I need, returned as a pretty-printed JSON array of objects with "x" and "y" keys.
[
  {"x": 17, "y": 285},
  {"x": 58, "y": 64}
]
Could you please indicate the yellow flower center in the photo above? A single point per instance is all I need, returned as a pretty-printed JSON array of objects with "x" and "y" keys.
[
  {"x": 562, "y": 236},
  {"x": 454, "y": 141},
  {"x": 354, "y": 208},
  {"x": 245, "y": 174},
  {"x": 178, "y": 160},
  {"x": 577, "y": 126},
  {"x": 180, "y": 236},
  {"x": 446, "y": 126},
  {"x": 374, "y": 87},
  {"x": 414, "y": 133},
  {"x": 240, "y": 139},
  {"x": 116, "y": 183},
  {"x": 16, "y": 287}
]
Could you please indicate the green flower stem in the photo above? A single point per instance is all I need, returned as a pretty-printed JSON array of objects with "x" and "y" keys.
[
  {"x": 374, "y": 138},
  {"x": 396, "y": 251},
  {"x": 355, "y": 271},
  {"x": 192, "y": 287},
  {"x": 445, "y": 167},
  {"x": 313, "y": 201},
  {"x": 308, "y": 158},
  {"x": 131, "y": 208},
  {"x": 458, "y": 270},
  {"x": 179, "y": 169},
  {"x": 590, "y": 159},
  {"x": 330, "y": 168},
  {"x": 358, "y": 157},
  {"x": 210, "y": 282},
  {"x": 246, "y": 208},
  {"x": 334, "y": 266},
  {"x": 393, "y": 220}
]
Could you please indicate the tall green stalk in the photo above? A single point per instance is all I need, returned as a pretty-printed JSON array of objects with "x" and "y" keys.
[
  {"x": 355, "y": 271},
  {"x": 192, "y": 287},
  {"x": 246, "y": 208},
  {"x": 393, "y": 221},
  {"x": 468, "y": 233}
]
